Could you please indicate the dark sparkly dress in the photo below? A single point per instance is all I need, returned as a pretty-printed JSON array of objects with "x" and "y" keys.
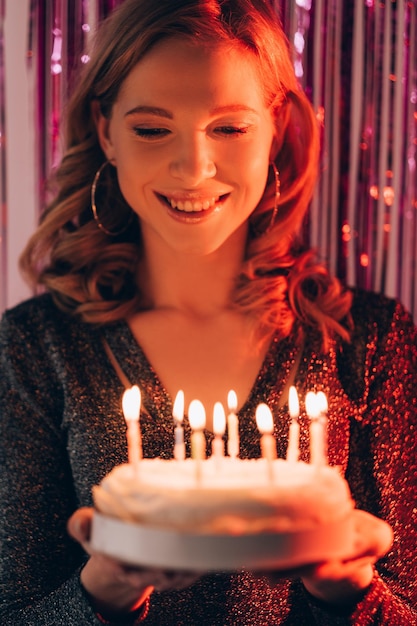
[{"x": 62, "y": 430}]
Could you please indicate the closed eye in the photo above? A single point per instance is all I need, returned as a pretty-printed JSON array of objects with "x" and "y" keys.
[
  {"x": 232, "y": 130},
  {"x": 151, "y": 133}
]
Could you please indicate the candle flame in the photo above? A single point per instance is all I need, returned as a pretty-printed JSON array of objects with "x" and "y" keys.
[
  {"x": 312, "y": 405},
  {"x": 293, "y": 403},
  {"x": 131, "y": 404},
  {"x": 232, "y": 401},
  {"x": 197, "y": 415},
  {"x": 178, "y": 409},
  {"x": 322, "y": 402},
  {"x": 264, "y": 419},
  {"x": 219, "y": 419}
]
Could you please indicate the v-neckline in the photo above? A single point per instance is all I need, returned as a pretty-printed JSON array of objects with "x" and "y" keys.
[
  {"x": 138, "y": 369},
  {"x": 279, "y": 367}
]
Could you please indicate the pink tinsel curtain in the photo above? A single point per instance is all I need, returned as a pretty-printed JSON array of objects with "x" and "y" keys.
[
  {"x": 357, "y": 61},
  {"x": 60, "y": 33}
]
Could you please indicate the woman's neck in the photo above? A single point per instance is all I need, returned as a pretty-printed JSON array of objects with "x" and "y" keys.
[{"x": 197, "y": 285}]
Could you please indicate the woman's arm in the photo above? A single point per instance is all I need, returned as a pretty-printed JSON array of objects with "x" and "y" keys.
[
  {"x": 383, "y": 462},
  {"x": 39, "y": 567},
  {"x": 49, "y": 457}
]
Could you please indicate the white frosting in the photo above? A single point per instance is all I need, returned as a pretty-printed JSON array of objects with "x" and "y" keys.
[{"x": 225, "y": 495}]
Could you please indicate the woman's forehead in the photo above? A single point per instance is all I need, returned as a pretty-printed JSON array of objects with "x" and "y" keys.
[{"x": 178, "y": 66}]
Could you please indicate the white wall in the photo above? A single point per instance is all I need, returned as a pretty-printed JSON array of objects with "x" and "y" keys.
[{"x": 20, "y": 151}]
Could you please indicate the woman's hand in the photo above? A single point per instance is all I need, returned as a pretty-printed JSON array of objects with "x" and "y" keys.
[
  {"x": 342, "y": 582},
  {"x": 115, "y": 587}
]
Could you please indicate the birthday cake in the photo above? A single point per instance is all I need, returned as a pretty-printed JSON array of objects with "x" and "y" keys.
[{"x": 223, "y": 514}]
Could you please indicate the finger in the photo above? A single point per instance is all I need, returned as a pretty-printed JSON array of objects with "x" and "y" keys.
[
  {"x": 374, "y": 536},
  {"x": 79, "y": 524},
  {"x": 337, "y": 570}
]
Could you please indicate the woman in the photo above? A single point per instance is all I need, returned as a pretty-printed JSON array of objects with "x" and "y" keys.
[{"x": 171, "y": 258}]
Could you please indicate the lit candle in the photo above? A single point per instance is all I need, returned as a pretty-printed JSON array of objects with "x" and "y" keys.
[
  {"x": 316, "y": 429},
  {"x": 323, "y": 408},
  {"x": 219, "y": 426},
  {"x": 232, "y": 426},
  {"x": 265, "y": 424},
  {"x": 131, "y": 410},
  {"x": 178, "y": 415},
  {"x": 293, "y": 450},
  {"x": 197, "y": 417}
]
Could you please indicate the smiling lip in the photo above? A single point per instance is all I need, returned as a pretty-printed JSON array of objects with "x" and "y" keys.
[{"x": 192, "y": 205}]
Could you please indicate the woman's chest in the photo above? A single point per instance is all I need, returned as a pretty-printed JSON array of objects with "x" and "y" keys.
[
  {"x": 205, "y": 358},
  {"x": 97, "y": 430}
]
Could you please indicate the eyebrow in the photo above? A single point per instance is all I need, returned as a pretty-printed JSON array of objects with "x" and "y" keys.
[
  {"x": 158, "y": 111},
  {"x": 150, "y": 110}
]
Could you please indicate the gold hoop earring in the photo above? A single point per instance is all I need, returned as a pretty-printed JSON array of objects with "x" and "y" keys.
[
  {"x": 259, "y": 232},
  {"x": 111, "y": 233},
  {"x": 277, "y": 196}
]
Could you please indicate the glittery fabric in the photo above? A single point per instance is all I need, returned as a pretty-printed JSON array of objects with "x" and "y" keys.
[{"x": 62, "y": 430}]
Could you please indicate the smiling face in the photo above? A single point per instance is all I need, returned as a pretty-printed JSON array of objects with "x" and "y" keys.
[{"x": 191, "y": 137}]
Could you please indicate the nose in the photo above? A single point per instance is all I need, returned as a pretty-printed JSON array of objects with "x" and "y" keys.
[{"x": 193, "y": 161}]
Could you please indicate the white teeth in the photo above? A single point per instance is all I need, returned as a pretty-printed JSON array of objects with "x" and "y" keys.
[{"x": 190, "y": 206}]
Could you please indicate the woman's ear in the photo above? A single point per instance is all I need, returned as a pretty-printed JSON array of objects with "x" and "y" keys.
[
  {"x": 281, "y": 118},
  {"x": 275, "y": 148},
  {"x": 102, "y": 125}
]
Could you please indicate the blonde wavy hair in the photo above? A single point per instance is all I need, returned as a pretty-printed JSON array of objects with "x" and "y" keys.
[{"x": 94, "y": 275}]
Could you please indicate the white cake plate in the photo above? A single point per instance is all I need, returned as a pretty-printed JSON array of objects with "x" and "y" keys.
[{"x": 139, "y": 545}]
